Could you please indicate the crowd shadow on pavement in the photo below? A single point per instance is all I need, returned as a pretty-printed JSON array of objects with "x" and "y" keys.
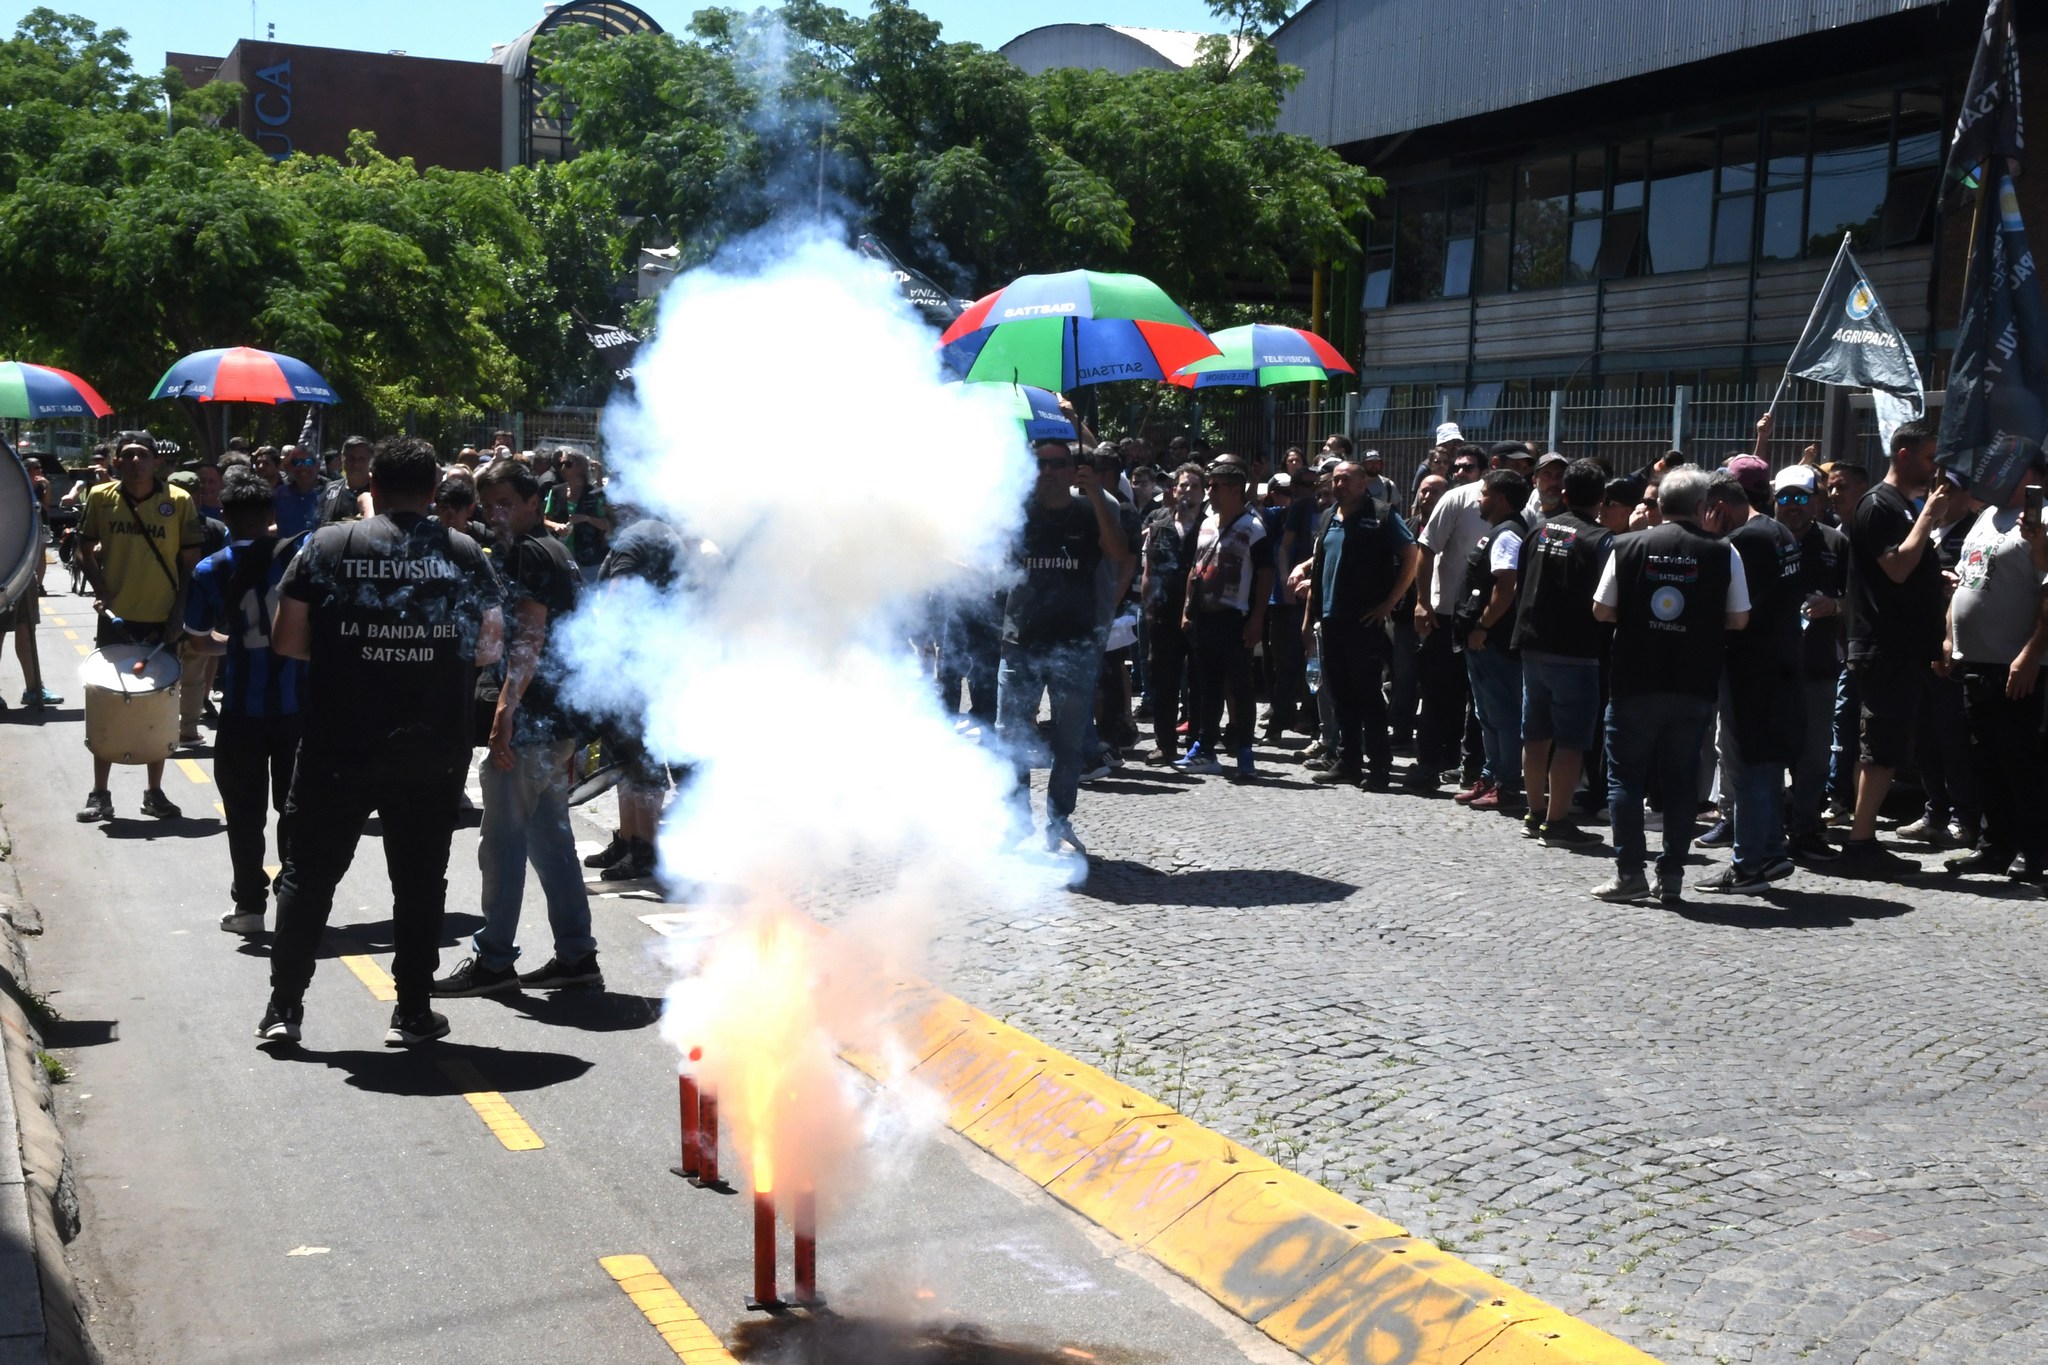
[
  {"x": 439, "y": 1069},
  {"x": 148, "y": 827},
  {"x": 1783, "y": 908},
  {"x": 591, "y": 1011},
  {"x": 341, "y": 940},
  {"x": 49, "y": 715},
  {"x": 1123, "y": 882},
  {"x": 826, "y": 1338}
]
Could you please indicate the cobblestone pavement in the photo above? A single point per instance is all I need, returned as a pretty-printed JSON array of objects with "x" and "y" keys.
[{"x": 1807, "y": 1128}]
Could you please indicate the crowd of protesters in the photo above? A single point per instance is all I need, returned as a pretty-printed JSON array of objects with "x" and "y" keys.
[
  {"x": 352, "y": 627},
  {"x": 1732, "y": 655}
]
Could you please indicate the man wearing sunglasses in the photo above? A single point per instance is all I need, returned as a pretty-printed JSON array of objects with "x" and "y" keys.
[
  {"x": 298, "y": 499},
  {"x": 1049, "y": 629},
  {"x": 1823, "y": 579}
]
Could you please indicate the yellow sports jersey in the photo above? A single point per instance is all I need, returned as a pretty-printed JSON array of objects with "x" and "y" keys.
[{"x": 140, "y": 588}]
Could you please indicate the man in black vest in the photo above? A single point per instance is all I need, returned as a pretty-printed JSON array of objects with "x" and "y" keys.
[
  {"x": 1672, "y": 592},
  {"x": 1483, "y": 625},
  {"x": 1761, "y": 727},
  {"x": 394, "y": 612},
  {"x": 1365, "y": 559},
  {"x": 1561, "y": 645}
]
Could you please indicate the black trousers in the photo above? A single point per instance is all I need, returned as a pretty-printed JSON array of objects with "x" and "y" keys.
[
  {"x": 1292, "y": 706},
  {"x": 2005, "y": 754},
  {"x": 253, "y": 760},
  {"x": 1223, "y": 671},
  {"x": 1440, "y": 726},
  {"x": 1166, "y": 666},
  {"x": 1355, "y": 659},
  {"x": 329, "y": 804}
]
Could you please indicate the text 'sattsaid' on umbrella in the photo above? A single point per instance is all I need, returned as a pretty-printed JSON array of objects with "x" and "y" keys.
[
  {"x": 1073, "y": 329},
  {"x": 30, "y": 393},
  {"x": 1261, "y": 355},
  {"x": 243, "y": 374}
]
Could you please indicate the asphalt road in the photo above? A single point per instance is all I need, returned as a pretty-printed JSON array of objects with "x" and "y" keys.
[{"x": 344, "y": 1202}]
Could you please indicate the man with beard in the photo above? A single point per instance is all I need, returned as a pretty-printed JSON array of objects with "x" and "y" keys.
[{"x": 1168, "y": 547}]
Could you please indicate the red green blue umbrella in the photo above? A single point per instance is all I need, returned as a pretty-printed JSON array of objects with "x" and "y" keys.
[
  {"x": 243, "y": 374},
  {"x": 31, "y": 392},
  {"x": 1075, "y": 328},
  {"x": 1263, "y": 354}
]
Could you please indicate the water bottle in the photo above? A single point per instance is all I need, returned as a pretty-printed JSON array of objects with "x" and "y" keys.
[{"x": 1314, "y": 667}]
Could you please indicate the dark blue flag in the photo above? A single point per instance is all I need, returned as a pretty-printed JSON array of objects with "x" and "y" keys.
[
  {"x": 1996, "y": 413},
  {"x": 1988, "y": 138}
]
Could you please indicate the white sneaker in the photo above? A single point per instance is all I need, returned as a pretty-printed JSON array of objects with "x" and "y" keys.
[{"x": 234, "y": 922}]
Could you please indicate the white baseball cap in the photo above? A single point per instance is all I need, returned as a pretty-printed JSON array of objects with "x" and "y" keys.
[
  {"x": 1448, "y": 432},
  {"x": 1797, "y": 476}
]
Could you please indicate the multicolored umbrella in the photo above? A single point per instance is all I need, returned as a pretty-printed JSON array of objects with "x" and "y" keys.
[
  {"x": 1036, "y": 410},
  {"x": 243, "y": 374},
  {"x": 1261, "y": 355},
  {"x": 30, "y": 392},
  {"x": 1075, "y": 328}
]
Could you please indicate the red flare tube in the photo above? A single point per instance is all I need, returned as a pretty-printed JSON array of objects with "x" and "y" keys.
[
  {"x": 707, "y": 1135},
  {"x": 687, "y": 1102},
  {"x": 804, "y": 1267},
  {"x": 764, "y": 1248}
]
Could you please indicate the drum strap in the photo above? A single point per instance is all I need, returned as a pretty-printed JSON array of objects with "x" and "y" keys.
[{"x": 161, "y": 562}]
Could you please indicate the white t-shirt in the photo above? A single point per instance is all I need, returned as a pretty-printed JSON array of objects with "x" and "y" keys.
[
  {"x": 1454, "y": 531},
  {"x": 1608, "y": 593},
  {"x": 1225, "y": 562}
]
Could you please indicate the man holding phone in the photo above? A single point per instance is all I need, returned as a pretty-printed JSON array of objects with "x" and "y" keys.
[{"x": 1998, "y": 635}]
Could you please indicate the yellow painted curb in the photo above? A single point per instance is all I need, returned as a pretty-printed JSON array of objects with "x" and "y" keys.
[{"x": 1320, "y": 1275}]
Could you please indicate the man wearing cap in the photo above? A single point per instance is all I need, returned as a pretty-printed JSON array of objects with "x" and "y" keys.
[
  {"x": 1229, "y": 585},
  {"x": 1823, "y": 577},
  {"x": 137, "y": 542},
  {"x": 1546, "y": 496},
  {"x": 1455, "y": 527},
  {"x": 1760, "y": 733},
  {"x": 1441, "y": 454}
]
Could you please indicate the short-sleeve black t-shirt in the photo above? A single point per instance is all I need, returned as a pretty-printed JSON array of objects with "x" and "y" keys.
[
  {"x": 1823, "y": 569},
  {"x": 1058, "y": 553},
  {"x": 1896, "y": 620},
  {"x": 396, "y": 603},
  {"x": 537, "y": 568},
  {"x": 649, "y": 550}
]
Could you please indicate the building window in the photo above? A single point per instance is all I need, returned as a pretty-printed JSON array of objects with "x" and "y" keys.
[
  {"x": 1461, "y": 227},
  {"x": 1379, "y": 260},
  {"x": 1589, "y": 186},
  {"x": 1735, "y": 199},
  {"x": 1543, "y": 223},
  {"x": 1681, "y": 202},
  {"x": 1850, "y": 172},
  {"x": 1419, "y": 245},
  {"x": 1916, "y": 170},
  {"x": 1784, "y": 218}
]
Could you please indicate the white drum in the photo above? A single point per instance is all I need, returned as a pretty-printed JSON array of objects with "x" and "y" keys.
[
  {"x": 130, "y": 717},
  {"x": 21, "y": 531}
]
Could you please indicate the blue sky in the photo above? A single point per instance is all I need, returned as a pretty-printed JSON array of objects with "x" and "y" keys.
[{"x": 467, "y": 28}]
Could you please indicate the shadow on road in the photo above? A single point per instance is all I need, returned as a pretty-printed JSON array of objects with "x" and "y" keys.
[
  {"x": 457, "y": 927},
  {"x": 426, "y": 1070},
  {"x": 590, "y": 1011},
  {"x": 1122, "y": 882},
  {"x": 828, "y": 1339},
  {"x": 80, "y": 1032},
  {"x": 184, "y": 827},
  {"x": 1793, "y": 910},
  {"x": 49, "y": 715}
]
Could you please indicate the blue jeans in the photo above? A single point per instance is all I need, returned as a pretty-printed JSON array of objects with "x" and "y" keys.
[
  {"x": 1497, "y": 697},
  {"x": 526, "y": 819},
  {"x": 1067, "y": 670},
  {"x": 1660, "y": 733}
]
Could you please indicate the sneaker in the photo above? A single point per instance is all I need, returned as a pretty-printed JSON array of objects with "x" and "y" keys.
[
  {"x": 1199, "y": 760},
  {"x": 410, "y": 1030},
  {"x": 99, "y": 805},
  {"x": 610, "y": 853},
  {"x": 1244, "y": 762},
  {"x": 1565, "y": 834},
  {"x": 1192, "y": 755},
  {"x": 1926, "y": 830},
  {"x": 1625, "y": 888},
  {"x": 473, "y": 978},
  {"x": 559, "y": 975},
  {"x": 1480, "y": 787},
  {"x": 1839, "y": 813},
  {"x": 1671, "y": 893},
  {"x": 1532, "y": 823},
  {"x": 1157, "y": 757},
  {"x": 155, "y": 803},
  {"x": 1812, "y": 848},
  {"x": 1868, "y": 858},
  {"x": 1333, "y": 777},
  {"x": 1732, "y": 880},
  {"x": 235, "y": 922},
  {"x": 1778, "y": 868},
  {"x": 190, "y": 736},
  {"x": 633, "y": 865},
  {"x": 1059, "y": 831},
  {"x": 1183, "y": 727},
  {"x": 1981, "y": 861},
  {"x": 281, "y": 1023},
  {"x": 1720, "y": 834},
  {"x": 1314, "y": 750},
  {"x": 36, "y": 698},
  {"x": 1495, "y": 798}
]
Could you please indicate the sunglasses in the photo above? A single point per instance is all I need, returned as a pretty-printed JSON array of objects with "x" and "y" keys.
[
  {"x": 1462, "y": 468},
  {"x": 1648, "y": 502},
  {"x": 1794, "y": 495}
]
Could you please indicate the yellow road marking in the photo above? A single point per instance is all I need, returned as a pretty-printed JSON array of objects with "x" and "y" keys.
[
  {"x": 193, "y": 771},
  {"x": 60, "y": 621},
  {"x": 498, "y": 1115},
  {"x": 382, "y": 987},
  {"x": 82, "y": 649},
  {"x": 222, "y": 809},
  {"x": 666, "y": 1311},
  {"x": 71, "y": 635}
]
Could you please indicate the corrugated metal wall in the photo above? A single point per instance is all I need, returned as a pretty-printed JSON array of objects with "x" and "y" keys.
[{"x": 1373, "y": 68}]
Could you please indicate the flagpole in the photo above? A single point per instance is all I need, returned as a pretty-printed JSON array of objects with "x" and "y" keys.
[{"x": 1786, "y": 377}]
